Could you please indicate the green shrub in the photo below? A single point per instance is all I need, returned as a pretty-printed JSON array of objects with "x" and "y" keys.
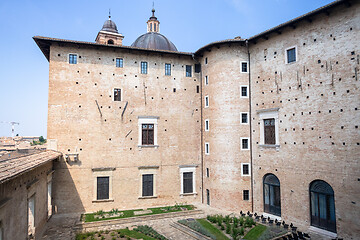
[
  {"x": 228, "y": 228},
  {"x": 102, "y": 237},
  {"x": 242, "y": 231},
  {"x": 222, "y": 227},
  {"x": 241, "y": 221},
  {"x": 234, "y": 233}
]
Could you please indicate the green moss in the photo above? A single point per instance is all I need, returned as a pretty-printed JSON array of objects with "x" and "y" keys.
[
  {"x": 255, "y": 233},
  {"x": 212, "y": 229}
]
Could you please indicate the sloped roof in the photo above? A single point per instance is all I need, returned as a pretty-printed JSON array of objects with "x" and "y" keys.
[{"x": 14, "y": 167}]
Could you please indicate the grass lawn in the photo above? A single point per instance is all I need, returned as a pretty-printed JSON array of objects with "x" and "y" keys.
[
  {"x": 90, "y": 217},
  {"x": 255, "y": 233},
  {"x": 212, "y": 229}
]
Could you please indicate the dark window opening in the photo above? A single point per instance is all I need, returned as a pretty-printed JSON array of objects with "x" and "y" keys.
[
  {"x": 144, "y": 67},
  {"x": 188, "y": 182},
  {"x": 269, "y": 131},
  {"x": 246, "y": 169},
  {"x": 110, "y": 41},
  {"x": 147, "y": 185},
  {"x": 117, "y": 94},
  {"x": 245, "y": 143},
  {"x": 147, "y": 134},
  {"x": 207, "y": 172},
  {"x": 102, "y": 188},
  {"x": 246, "y": 195},
  {"x": 206, "y": 61},
  {"x": 197, "y": 89},
  {"x": 72, "y": 58},
  {"x": 272, "y": 201},
  {"x": 244, "y": 92},
  {"x": 167, "y": 69},
  {"x": 208, "y": 196},
  {"x": 188, "y": 71},
  {"x": 291, "y": 55},
  {"x": 244, "y": 67},
  {"x": 244, "y": 118}
]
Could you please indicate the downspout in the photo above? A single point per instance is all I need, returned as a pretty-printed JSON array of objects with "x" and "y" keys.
[
  {"x": 250, "y": 125},
  {"x": 201, "y": 132}
]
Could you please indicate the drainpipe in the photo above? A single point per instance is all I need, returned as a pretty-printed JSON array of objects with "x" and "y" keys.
[{"x": 250, "y": 125}]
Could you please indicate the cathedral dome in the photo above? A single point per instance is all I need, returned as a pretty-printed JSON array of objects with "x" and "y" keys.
[
  {"x": 154, "y": 40},
  {"x": 109, "y": 26}
]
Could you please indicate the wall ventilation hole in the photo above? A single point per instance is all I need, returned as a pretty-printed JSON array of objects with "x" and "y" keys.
[
  {"x": 304, "y": 44},
  {"x": 109, "y": 139},
  {"x": 79, "y": 139},
  {"x": 109, "y": 107},
  {"x": 135, "y": 75},
  {"x": 135, "y": 86},
  {"x": 343, "y": 143},
  {"x": 319, "y": 61},
  {"x": 353, "y": 53},
  {"x": 336, "y": 62},
  {"x": 319, "y": 112},
  {"x": 99, "y": 58},
  {"x": 100, "y": 73},
  {"x": 105, "y": 120},
  {"x": 342, "y": 127},
  {"x": 347, "y": 91},
  {"x": 80, "y": 149},
  {"x": 124, "y": 75},
  {"x": 79, "y": 94},
  {"x": 307, "y": 97},
  {"x": 174, "y": 90},
  {"x": 333, "y": 143},
  {"x": 88, "y": 72},
  {"x": 303, "y": 129},
  {"x": 59, "y": 55},
  {"x": 78, "y": 71},
  {"x": 95, "y": 84},
  {"x": 165, "y": 130},
  {"x": 309, "y": 113},
  {"x": 79, "y": 106},
  {"x": 68, "y": 150},
  {"x": 130, "y": 148},
  {"x": 315, "y": 40},
  {"x": 341, "y": 110},
  {"x": 77, "y": 82},
  {"x": 329, "y": 111},
  {"x": 312, "y": 128}
]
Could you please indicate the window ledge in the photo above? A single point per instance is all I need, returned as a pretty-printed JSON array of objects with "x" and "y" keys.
[
  {"x": 322, "y": 232},
  {"x": 147, "y": 197},
  {"x": 103, "y": 200},
  {"x": 272, "y": 216},
  {"x": 148, "y": 146},
  {"x": 269, "y": 146},
  {"x": 188, "y": 194}
]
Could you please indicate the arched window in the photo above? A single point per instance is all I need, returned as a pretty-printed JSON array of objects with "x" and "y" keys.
[
  {"x": 322, "y": 205},
  {"x": 150, "y": 27},
  {"x": 110, "y": 41},
  {"x": 272, "y": 202},
  {"x": 154, "y": 27}
]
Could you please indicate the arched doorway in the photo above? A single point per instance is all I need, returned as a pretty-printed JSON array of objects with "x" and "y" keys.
[
  {"x": 322, "y": 206},
  {"x": 272, "y": 201}
]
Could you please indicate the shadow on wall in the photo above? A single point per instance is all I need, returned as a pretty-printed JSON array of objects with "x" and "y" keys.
[{"x": 66, "y": 197}]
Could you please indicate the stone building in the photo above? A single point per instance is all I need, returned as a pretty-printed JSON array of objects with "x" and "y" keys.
[
  {"x": 267, "y": 124},
  {"x": 26, "y": 194}
]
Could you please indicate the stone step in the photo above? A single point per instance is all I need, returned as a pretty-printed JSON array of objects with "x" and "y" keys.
[
  {"x": 116, "y": 223},
  {"x": 186, "y": 230}
]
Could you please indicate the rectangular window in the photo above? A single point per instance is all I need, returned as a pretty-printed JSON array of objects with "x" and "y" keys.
[
  {"x": 102, "y": 188},
  {"x": 147, "y": 185},
  {"x": 245, "y": 169},
  {"x": 207, "y": 125},
  {"x": 244, "y": 91},
  {"x": 49, "y": 195},
  {"x": 244, "y": 118},
  {"x": 208, "y": 196},
  {"x": 188, "y": 71},
  {"x": 119, "y": 62},
  {"x": 291, "y": 55},
  {"x": 246, "y": 195},
  {"x": 144, "y": 67},
  {"x": 167, "y": 69},
  {"x": 197, "y": 89},
  {"x": 244, "y": 67},
  {"x": 188, "y": 182},
  {"x": 206, "y": 60},
  {"x": 207, "y": 172},
  {"x": 206, "y": 80},
  {"x": 207, "y": 148},
  {"x": 206, "y": 101},
  {"x": 117, "y": 94},
  {"x": 72, "y": 58},
  {"x": 147, "y": 134},
  {"x": 244, "y": 143},
  {"x": 269, "y": 131},
  {"x": 31, "y": 214}
]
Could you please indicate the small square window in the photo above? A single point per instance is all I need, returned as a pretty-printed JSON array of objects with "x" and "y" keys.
[
  {"x": 206, "y": 101},
  {"x": 207, "y": 148},
  {"x": 291, "y": 55},
  {"x": 188, "y": 71},
  {"x": 245, "y": 143},
  {"x": 144, "y": 67},
  {"x": 72, "y": 59},
  {"x": 206, "y": 80},
  {"x": 117, "y": 94},
  {"x": 244, "y": 91},
  {"x": 167, "y": 69},
  {"x": 244, "y": 67},
  {"x": 246, "y": 195},
  {"x": 244, "y": 118},
  {"x": 207, "y": 127},
  {"x": 119, "y": 63}
]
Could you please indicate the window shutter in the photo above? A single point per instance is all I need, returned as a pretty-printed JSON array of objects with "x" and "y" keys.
[{"x": 102, "y": 188}]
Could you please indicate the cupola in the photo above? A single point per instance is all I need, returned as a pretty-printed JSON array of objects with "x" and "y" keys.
[{"x": 109, "y": 34}]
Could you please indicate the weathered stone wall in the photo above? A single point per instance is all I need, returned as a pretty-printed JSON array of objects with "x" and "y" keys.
[
  {"x": 110, "y": 139},
  {"x": 318, "y": 99},
  {"x": 225, "y": 182},
  {"x": 14, "y": 210}
]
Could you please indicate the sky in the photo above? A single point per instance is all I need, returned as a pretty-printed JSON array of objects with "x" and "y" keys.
[{"x": 189, "y": 24}]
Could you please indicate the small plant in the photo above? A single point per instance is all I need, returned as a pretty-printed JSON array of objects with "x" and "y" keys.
[
  {"x": 128, "y": 238},
  {"x": 222, "y": 227},
  {"x": 107, "y": 231},
  {"x": 102, "y": 237},
  {"x": 112, "y": 234},
  {"x": 241, "y": 221},
  {"x": 99, "y": 234},
  {"x": 114, "y": 238},
  {"x": 242, "y": 231},
  {"x": 234, "y": 233},
  {"x": 228, "y": 228}
]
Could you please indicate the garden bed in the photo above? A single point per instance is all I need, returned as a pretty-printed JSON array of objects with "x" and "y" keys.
[
  {"x": 224, "y": 228},
  {"x": 140, "y": 232},
  {"x": 117, "y": 214}
]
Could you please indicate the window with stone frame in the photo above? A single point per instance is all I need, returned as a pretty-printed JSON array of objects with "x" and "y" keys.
[
  {"x": 244, "y": 118},
  {"x": 269, "y": 131},
  {"x": 245, "y": 169},
  {"x": 245, "y": 144},
  {"x": 167, "y": 69},
  {"x": 188, "y": 71},
  {"x": 119, "y": 62},
  {"x": 147, "y": 185},
  {"x": 291, "y": 55},
  {"x": 117, "y": 94},
  {"x": 72, "y": 59},
  {"x": 246, "y": 196},
  {"x": 244, "y": 67},
  {"x": 188, "y": 182},
  {"x": 144, "y": 67},
  {"x": 244, "y": 91},
  {"x": 102, "y": 189},
  {"x": 147, "y": 134}
]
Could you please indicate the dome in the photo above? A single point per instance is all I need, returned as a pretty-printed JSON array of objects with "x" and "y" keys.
[
  {"x": 109, "y": 26},
  {"x": 154, "y": 40}
]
